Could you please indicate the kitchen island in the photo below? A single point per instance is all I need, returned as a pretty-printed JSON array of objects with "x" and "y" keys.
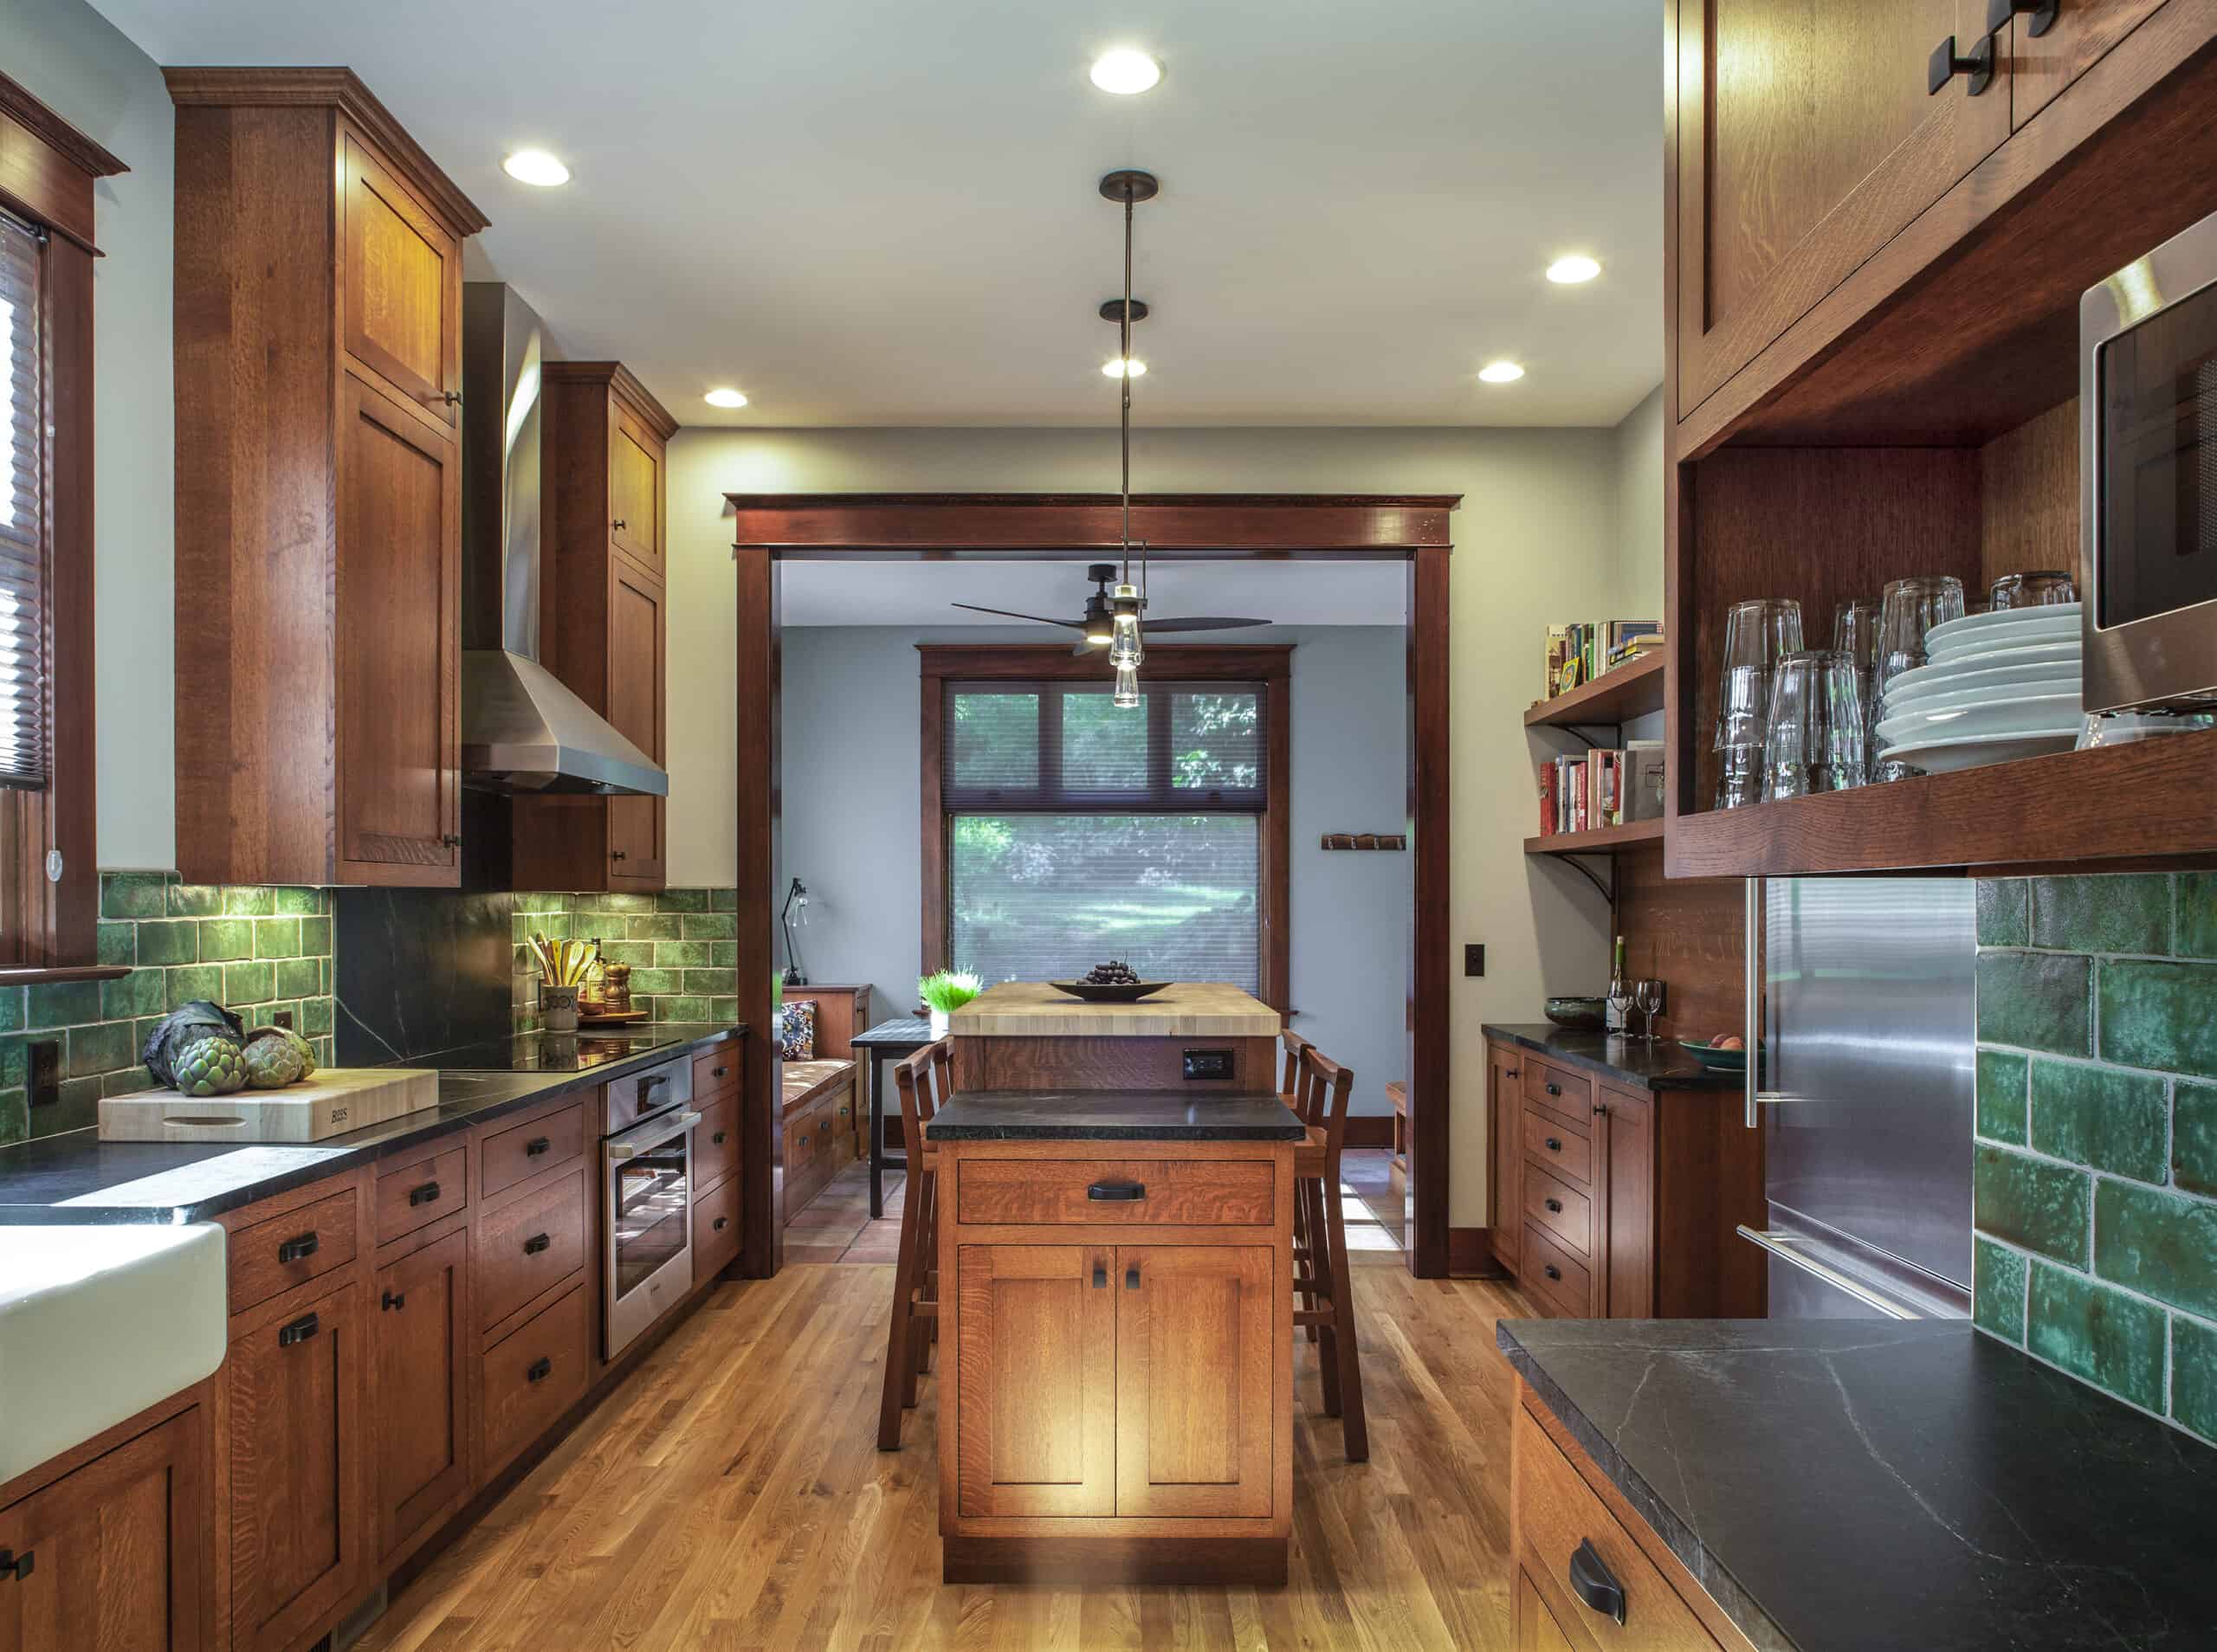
[
  {"x": 1197, "y": 1035},
  {"x": 1116, "y": 1326}
]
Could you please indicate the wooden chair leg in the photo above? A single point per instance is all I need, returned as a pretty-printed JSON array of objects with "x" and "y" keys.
[
  {"x": 899, "y": 1386},
  {"x": 1355, "y": 1430},
  {"x": 930, "y": 1270},
  {"x": 1328, "y": 1361},
  {"x": 1304, "y": 1240}
]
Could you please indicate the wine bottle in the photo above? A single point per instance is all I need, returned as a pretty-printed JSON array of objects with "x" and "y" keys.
[{"x": 1616, "y": 1015}]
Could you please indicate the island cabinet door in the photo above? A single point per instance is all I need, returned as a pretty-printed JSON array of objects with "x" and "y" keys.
[
  {"x": 1037, "y": 1336},
  {"x": 1194, "y": 1360}
]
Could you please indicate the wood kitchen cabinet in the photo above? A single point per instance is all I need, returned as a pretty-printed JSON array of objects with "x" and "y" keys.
[
  {"x": 318, "y": 374},
  {"x": 604, "y": 626},
  {"x": 420, "y": 1444},
  {"x": 1037, "y": 1431},
  {"x": 2042, "y": 66},
  {"x": 1806, "y": 139}
]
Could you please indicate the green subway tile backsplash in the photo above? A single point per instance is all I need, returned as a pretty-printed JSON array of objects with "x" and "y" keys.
[
  {"x": 2097, "y": 1249},
  {"x": 680, "y": 945}
]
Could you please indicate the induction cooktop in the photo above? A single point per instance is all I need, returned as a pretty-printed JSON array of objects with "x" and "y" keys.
[{"x": 539, "y": 1052}]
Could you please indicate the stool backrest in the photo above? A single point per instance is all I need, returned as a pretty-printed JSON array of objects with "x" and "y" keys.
[
  {"x": 923, "y": 1080},
  {"x": 1295, "y": 1043},
  {"x": 1321, "y": 1095}
]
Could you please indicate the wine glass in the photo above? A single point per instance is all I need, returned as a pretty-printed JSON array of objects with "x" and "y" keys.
[{"x": 1647, "y": 998}]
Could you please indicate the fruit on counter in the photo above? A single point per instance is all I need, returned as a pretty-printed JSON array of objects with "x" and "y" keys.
[
  {"x": 1113, "y": 973},
  {"x": 210, "y": 1064},
  {"x": 1727, "y": 1041},
  {"x": 276, "y": 1056}
]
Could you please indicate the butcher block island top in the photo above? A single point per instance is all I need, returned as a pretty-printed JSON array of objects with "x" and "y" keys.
[{"x": 1183, "y": 1010}]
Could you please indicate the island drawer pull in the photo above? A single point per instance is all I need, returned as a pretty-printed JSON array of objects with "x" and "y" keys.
[
  {"x": 1555, "y": 1205},
  {"x": 1116, "y": 1192},
  {"x": 536, "y": 1146},
  {"x": 1553, "y": 1088},
  {"x": 1592, "y": 1582},
  {"x": 1132, "y": 1277},
  {"x": 537, "y": 1242},
  {"x": 300, "y": 1331},
  {"x": 1101, "y": 1276},
  {"x": 1554, "y": 1144},
  {"x": 298, "y": 1247},
  {"x": 538, "y": 1370},
  {"x": 427, "y": 1194}
]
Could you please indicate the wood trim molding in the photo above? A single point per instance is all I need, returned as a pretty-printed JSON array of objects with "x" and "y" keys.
[
  {"x": 57, "y": 135},
  {"x": 47, "y": 167},
  {"x": 621, "y": 382},
  {"x": 1045, "y": 527},
  {"x": 1430, "y": 1073},
  {"x": 1469, "y": 1255},
  {"x": 340, "y": 90}
]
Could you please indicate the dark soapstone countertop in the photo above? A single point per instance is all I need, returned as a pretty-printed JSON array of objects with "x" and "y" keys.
[
  {"x": 1659, "y": 1066},
  {"x": 1114, "y": 1115},
  {"x": 163, "y": 1181},
  {"x": 1844, "y": 1485}
]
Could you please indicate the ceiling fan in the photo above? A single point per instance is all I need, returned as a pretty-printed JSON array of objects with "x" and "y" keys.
[{"x": 1097, "y": 627}]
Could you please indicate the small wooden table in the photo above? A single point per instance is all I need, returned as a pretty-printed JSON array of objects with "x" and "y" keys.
[{"x": 901, "y": 1036}]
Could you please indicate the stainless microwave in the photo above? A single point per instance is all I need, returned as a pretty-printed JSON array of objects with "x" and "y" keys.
[{"x": 2148, "y": 477}]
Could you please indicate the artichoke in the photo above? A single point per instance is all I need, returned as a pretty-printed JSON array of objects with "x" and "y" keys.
[
  {"x": 276, "y": 1056},
  {"x": 212, "y": 1064},
  {"x": 180, "y": 1027}
]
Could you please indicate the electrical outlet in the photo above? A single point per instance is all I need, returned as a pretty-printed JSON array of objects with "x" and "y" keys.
[
  {"x": 45, "y": 1076},
  {"x": 1474, "y": 958},
  {"x": 283, "y": 1018},
  {"x": 1206, "y": 1064}
]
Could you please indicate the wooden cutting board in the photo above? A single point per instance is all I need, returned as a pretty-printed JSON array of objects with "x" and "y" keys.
[{"x": 336, "y": 1100}]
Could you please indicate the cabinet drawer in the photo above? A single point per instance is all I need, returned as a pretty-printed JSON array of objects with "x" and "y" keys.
[
  {"x": 1554, "y": 1275},
  {"x": 1560, "y": 1209},
  {"x": 520, "y": 1152},
  {"x": 1558, "y": 1510},
  {"x": 1548, "y": 1086},
  {"x": 715, "y": 1229},
  {"x": 1560, "y": 1150},
  {"x": 715, "y": 1069},
  {"x": 530, "y": 1376},
  {"x": 524, "y": 1248},
  {"x": 715, "y": 1141},
  {"x": 410, "y": 1195},
  {"x": 288, "y": 1250},
  {"x": 1187, "y": 1192}
]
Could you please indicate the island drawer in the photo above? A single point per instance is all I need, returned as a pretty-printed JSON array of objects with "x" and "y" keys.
[
  {"x": 1565, "y": 1213},
  {"x": 1563, "y": 1151},
  {"x": 1547, "y": 1085},
  {"x": 516, "y": 1152},
  {"x": 276, "y": 1254},
  {"x": 1553, "y": 1274},
  {"x": 423, "y": 1189},
  {"x": 1109, "y": 1192}
]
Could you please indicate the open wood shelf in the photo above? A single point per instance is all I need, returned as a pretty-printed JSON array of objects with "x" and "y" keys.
[
  {"x": 1633, "y": 689},
  {"x": 2158, "y": 797},
  {"x": 1632, "y": 834}
]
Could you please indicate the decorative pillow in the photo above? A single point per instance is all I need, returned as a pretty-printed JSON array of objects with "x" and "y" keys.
[{"x": 796, "y": 1031}]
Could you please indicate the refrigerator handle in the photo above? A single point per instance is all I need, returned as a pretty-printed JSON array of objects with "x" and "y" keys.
[
  {"x": 1754, "y": 990},
  {"x": 1781, "y": 1245}
]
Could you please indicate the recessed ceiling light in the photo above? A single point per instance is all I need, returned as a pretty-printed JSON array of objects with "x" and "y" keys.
[
  {"x": 535, "y": 166},
  {"x": 1501, "y": 372},
  {"x": 1568, "y": 272},
  {"x": 725, "y": 397},
  {"x": 1125, "y": 71},
  {"x": 1113, "y": 368}
]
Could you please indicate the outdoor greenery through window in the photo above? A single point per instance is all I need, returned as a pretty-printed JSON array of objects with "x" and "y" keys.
[{"x": 1078, "y": 832}]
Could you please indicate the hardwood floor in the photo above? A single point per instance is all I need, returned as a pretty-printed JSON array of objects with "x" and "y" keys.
[{"x": 730, "y": 1496}]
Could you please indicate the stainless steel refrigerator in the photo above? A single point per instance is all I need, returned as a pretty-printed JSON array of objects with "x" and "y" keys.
[{"x": 1867, "y": 1089}]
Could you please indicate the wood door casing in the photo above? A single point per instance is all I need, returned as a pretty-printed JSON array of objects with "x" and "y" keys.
[
  {"x": 1036, "y": 1431},
  {"x": 400, "y": 288},
  {"x": 399, "y": 579},
  {"x": 422, "y": 1439},
  {"x": 1806, "y": 141},
  {"x": 1194, "y": 1366},
  {"x": 119, "y": 1551},
  {"x": 637, "y": 630},
  {"x": 635, "y": 461}
]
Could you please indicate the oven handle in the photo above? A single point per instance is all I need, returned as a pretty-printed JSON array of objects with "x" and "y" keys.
[{"x": 644, "y": 1139}]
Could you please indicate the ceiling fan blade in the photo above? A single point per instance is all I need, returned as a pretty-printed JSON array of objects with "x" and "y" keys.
[
  {"x": 1198, "y": 622},
  {"x": 1037, "y": 619},
  {"x": 1086, "y": 645}
]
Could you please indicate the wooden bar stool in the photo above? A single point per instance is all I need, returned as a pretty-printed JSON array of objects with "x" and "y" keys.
[
  {"x": 1321, "y": 1090},
  {"x": 914, "y": 1320}
]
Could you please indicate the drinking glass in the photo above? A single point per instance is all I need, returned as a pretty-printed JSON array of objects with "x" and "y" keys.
[
  {"x": 1755, "y": 634},
  {"x": 1907, "y": 613},
  {"x": 2041, "y": 590},
  {"x": 1647, "y": 998},
  {"x": 1855, "y": 633},
  {"x": 1815, "y": 740}
]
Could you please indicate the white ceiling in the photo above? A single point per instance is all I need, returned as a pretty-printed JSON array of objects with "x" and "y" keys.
[
  {"x": 883, "y": 212},
  {"x": 919, "y": 593}
]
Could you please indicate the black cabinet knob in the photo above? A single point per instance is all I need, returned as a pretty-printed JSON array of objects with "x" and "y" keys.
[
  {"x": 1100, "y": 1276},
  {"x": 298, "y": 1247},
  {"x": 2040, "y": 16},
  {"x": 719, "y": 1072},
  {"x": 1592, "y": 1582},
  {"x": 1555, "y": 1090},
  {"x": 393, "y": 1299},
  {"x": 538, "y": 1370},
  {"x": 18, "y": 1565},
  {"x": 619, "y": 856},
  {"x": 452, "y": 398},
  {"x": 537, "y": 1242},
  {"x": 718, "y": 1225},
  {"x": 300, "y": 1331},
  {"x": 427, "y": 1194},
  {"x": 1554, "y": 1145},
  {"x": 1947, "y": 63},
  {"x": 1555, "y": 1205},
  {"x": 619, "y": 524},
  {"x": 1551, "y": 1270},
  {"x": 447, "y": 840},
  {"x": 717, "y": 1139},
  {"x": 535, "y": 1146}
]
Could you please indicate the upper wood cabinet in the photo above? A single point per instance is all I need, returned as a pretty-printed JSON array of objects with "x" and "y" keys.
[
  {"x": 1806, "y": 139},
  {"x": 318, "y": 373},
  {"x": 2039, "y": 67},
  {"x": 603, "y": 630}
]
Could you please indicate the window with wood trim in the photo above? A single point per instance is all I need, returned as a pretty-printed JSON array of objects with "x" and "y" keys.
[{"x": 1072, "y": 832}]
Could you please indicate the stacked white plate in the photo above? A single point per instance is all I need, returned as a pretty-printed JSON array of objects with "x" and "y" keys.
[{"x": 1998, "y": 686}]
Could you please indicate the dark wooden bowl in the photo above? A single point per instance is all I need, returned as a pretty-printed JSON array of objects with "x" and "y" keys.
[{"x": 1102, "y": 992}]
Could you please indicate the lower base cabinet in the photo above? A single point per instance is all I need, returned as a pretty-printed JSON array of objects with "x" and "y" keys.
[
  {"x": 422, "y": 1439},
  {"x": 532, "y": 1375},
  {"x": 114, "y": 1554}
]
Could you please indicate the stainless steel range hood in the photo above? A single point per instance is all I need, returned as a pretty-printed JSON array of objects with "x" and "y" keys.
[{"x": 522, "y": 729}]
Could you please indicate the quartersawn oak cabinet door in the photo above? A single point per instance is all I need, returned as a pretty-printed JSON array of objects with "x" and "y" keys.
[
  {"x": 635, "y": 456},
  {"x": 299, "y": 1505},
  {"x": 1807, "y": 140},
  {"x": 634, "y": 707},
  {"x": 423, "y": 1328},
  {"x": 1625, "y": 1149},
  {"x": 1194, "y": 1367},
  {"x": 1036, "y": 1432},
  {"x": 115, "y": 1551},
  {"x": 400, "y": 579},
  {"x": 402, "y": 292}
]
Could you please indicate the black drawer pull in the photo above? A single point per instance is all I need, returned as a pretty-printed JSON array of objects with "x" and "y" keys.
[
  {"x": 300, "y": 1331},
  {"x": 1551, "y": 1270},
  {"x": 427, "y": 1194},
  {"x": 1946, "y": 63},
  {"x": 1554, "y": 1144},
  {"x": 1116, "y": 1192},
  {"x": 718, "y": 1225},
  {"x": 1555, "y": 1090},
  {"x": 1592, "y": 1582},
  {"x": 1100, "y": 1276},
  {"x": 393, "y": 1299},
  {"x": 535, "y": 1146},
  {"x": 2040, "y": 16},
  {"x": 537, "y": 1242},
  {"x": 1553, "y": 1204},
  {"x": 300, "y": 1248},
  {"x": 18, "y": 1565},
  {"x": 538, "y": 1370},
  {"x": 1511, "y": 1072},
  {"x": 719, "y": 1072},
  {"x": 1132, "y": 1277},
  {"x": 717, "y": 1140}
]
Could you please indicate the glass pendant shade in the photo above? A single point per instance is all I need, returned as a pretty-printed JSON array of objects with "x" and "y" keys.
[
  {"x": 1124, "y": 648},
  {"x": 1127, "y": 688}
]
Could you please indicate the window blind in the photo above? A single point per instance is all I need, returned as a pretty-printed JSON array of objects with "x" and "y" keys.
[
  {"x": 1188, "y": 748},
  {"x": 22, "y": 513}
]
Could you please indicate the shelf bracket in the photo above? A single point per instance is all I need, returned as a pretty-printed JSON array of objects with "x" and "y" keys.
[{"x": 1576, "y": 864}]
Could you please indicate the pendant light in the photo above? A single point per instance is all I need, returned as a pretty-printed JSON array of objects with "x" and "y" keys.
[{"x": 1126, "y": 601}]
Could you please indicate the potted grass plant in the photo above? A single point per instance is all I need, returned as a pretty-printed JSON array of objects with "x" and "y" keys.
[{"x": 944, "y": 993}]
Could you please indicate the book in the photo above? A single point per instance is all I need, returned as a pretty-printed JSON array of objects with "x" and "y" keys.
[
  {"x": 1578, "y": 652},
  {"x": 1547, "y": 799},
  {"x": 1644, "y": 779}
]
